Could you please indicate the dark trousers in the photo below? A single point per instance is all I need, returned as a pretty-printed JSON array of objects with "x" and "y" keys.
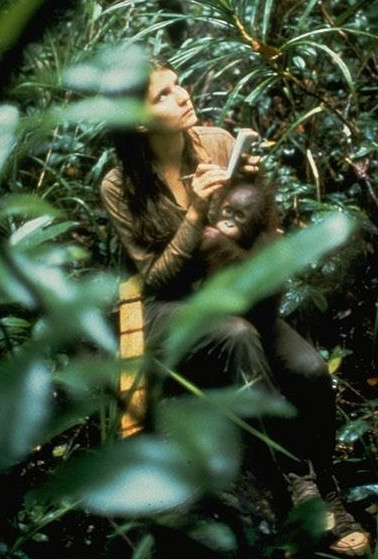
[{"x": 274, "y": 358}]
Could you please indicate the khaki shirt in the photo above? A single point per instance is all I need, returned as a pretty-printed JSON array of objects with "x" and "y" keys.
[{"x": 160, "y": 271}]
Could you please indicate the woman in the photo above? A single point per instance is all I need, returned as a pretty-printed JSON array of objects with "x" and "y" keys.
[{"x": 160, "y": 218}]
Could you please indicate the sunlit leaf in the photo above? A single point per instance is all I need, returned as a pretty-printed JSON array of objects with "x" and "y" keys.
[
  {"x": 72, "y": 309},
  {"x": 334, "y": 364},
  {"x": 362, "y": 492},
  {"x": 25, "y": 206},
  {"x": 353, "y": 431},
  {"x": 13, "y": 289},
  {"x": 58, "y": 255},
  {"x": 37, "y": 231},
  {"x": 120, "y": 69},
  {"x": 102, "y": 110},
  {"x": 141, "y": 476},
  {"x": 25, "y": 405},
  {"x": 8, "y": 124}
]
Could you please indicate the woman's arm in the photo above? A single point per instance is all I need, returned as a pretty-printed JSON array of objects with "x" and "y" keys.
[
  {"x": 157, "y": 271},
  {"x": 160, "y": 271}
]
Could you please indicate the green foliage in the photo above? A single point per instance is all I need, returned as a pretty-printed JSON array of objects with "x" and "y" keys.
[
  {"x": 14, "y": 18},
  {"x": 303, "y": 528},
  {"x": 57, "y": 310},
  {"x": 110, "y": 481},
  {"x": 239, "y": 288}
]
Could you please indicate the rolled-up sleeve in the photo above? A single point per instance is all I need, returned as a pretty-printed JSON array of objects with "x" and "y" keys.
[{"x": 157, "y": 271}]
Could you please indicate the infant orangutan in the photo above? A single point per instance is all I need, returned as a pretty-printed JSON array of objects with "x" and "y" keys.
[{"x": 242, "y": 219}]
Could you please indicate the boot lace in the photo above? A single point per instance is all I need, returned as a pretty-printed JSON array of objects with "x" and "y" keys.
[{"x": 302, "y": 488}]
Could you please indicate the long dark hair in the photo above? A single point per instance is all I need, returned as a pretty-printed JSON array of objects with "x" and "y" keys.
[{"x": 143, "y": 190}]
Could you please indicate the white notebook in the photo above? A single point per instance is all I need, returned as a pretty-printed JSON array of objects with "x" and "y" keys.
[{"x": 243, "y": 142}]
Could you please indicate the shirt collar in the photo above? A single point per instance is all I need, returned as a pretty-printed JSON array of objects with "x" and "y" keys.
[{"x": 200, "y": 151}]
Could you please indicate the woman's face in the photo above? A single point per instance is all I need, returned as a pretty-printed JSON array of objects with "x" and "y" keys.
[{"x": 169, "y": 103}]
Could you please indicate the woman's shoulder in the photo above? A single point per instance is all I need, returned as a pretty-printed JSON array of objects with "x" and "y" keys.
[
  {"x": 207, "y": 133},
  {"x": 113, "y": 175},
  {"x": 212, "y": 144},
  {"x": 112, "y": 180}
]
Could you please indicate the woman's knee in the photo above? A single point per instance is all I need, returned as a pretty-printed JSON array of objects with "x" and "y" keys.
[
  {"x": 243, "y": 351},
  {"x": 313, "y": 366},
  {"x": 237, "y": 329},
  {"x": 296, "y": 355}
]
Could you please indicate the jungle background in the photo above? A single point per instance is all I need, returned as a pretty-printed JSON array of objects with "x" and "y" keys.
[{"x": 304, "y": 75}]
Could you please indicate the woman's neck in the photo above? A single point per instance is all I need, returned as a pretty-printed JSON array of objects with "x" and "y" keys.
[{"x": 167, "y": 149}]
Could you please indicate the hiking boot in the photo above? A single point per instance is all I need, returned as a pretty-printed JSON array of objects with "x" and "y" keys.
[
  {"x": 302, "y": 488},
  {"x": 349, "y": 537}
]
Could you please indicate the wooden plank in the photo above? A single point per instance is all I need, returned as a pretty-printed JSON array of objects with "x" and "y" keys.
[{"x": 131, "y": 348}]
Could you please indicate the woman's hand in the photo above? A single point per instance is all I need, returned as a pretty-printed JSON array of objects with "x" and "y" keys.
[
  {"x": 208, "y": 178},
  {"x": 249, "y": 163}
]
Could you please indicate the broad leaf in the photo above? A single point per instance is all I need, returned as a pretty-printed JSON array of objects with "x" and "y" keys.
[
  {"x": 238, "y": 288},
  {"x": 25, "y": 404},
  {"x": 8, "y": 123}
]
